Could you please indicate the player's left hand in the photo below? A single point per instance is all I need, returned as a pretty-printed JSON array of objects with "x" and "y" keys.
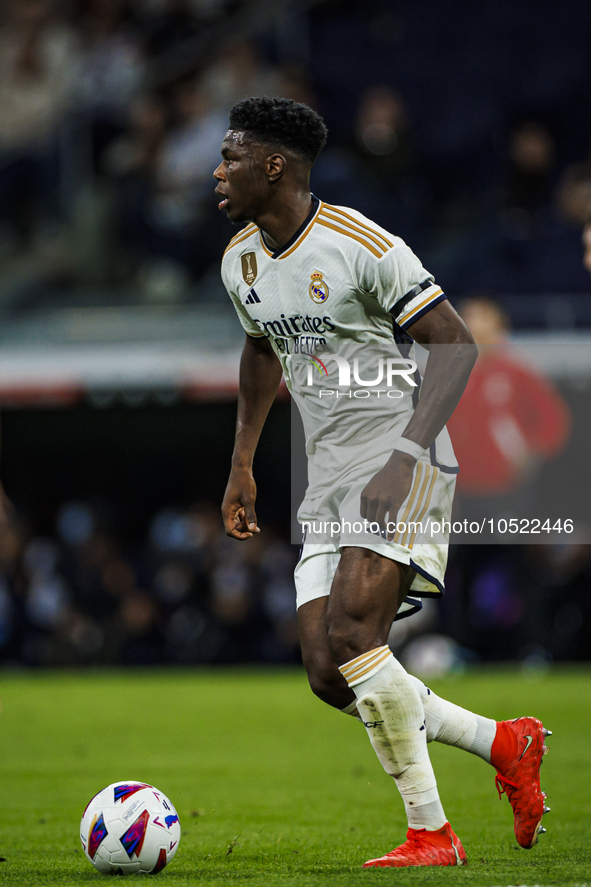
[{"x": 387, "y": 490}]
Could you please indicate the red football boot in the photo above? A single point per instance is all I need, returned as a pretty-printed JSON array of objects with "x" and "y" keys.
[
  {"x": 421, "y": 847},
  {"x": 516, "y": 754}
]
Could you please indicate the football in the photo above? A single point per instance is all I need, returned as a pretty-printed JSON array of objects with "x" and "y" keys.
[{"x": 130, "y": 827}]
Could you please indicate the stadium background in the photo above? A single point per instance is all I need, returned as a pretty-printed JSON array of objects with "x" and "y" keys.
[{"x": 465, "y": 128}]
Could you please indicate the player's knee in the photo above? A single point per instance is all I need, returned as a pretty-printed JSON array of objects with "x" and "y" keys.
[
  {"x": 347, "y": 639},
  {"x": 327, "y": 683},
  {"x": 324, "y": 688}
]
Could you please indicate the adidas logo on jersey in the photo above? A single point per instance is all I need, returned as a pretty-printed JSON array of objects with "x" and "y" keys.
[{"x": 252, "y": 297}]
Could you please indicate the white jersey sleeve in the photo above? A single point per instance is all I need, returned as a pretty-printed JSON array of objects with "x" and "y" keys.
[
  {"x": 248, "y": 324},
  {"x": 400, "y": 283}
]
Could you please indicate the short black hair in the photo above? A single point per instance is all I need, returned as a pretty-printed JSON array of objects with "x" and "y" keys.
[{"x": 278, "y": 121}]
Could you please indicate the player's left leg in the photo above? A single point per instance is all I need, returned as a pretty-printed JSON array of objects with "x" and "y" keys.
[
  {"x": 453, "y": 725},
  {"x": 444, "y": 721},
  {"x": 366, "y": 593},
  {"x": 514, "y": 748}
]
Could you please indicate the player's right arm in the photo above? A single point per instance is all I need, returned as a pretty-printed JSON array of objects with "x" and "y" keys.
[{"x": 260, "y": 375}]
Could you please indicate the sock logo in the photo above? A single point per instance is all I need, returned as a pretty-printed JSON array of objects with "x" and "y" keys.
[
  {"x": 529, "y": 741},
  {"x": 371, "y": 724}
]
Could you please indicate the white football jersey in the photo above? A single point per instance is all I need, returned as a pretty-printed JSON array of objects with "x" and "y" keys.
[{"x": 335, "y": 302}]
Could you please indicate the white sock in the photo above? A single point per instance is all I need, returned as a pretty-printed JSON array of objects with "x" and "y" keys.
[
  {"x": 449, "y": 723},
  {"x": 351, "y": 709},
  {"x": 453, "y": 725},
  {"x": 393, "y": 714}
]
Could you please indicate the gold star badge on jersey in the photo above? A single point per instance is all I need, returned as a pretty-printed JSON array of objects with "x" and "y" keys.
[{"x": 318, "y": 289}]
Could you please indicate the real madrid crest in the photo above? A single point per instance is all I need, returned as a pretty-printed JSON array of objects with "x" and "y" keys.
[
  {"x": 318, "y": 289},
  {"x": 249, "y": 267}
]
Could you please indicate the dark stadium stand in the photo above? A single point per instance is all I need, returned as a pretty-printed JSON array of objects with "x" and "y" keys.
[{"x": 463, "y": 127}]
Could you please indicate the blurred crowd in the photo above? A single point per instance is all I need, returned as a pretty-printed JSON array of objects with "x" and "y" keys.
[
  {"x": 112, "y": 113},
  {"x": 79, "y": 585},
  {"x": 462, "y": 127},
  {"x": 187, "y": 594}
]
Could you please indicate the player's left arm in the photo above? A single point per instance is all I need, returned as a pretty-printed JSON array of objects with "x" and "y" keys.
[{"x": 452, "y": 354}]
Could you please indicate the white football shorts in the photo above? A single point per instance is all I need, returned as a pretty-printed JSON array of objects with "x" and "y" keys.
[{"x": 421, "y": 534}]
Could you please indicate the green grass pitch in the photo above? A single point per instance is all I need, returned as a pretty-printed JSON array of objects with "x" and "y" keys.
[{"x": 273, "y": 787}]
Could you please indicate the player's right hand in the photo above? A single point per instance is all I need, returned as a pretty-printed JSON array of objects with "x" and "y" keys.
[{"x": 239, "y": 516}]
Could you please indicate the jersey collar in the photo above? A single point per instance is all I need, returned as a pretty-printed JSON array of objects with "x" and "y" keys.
[{"x": 294, "y": 241}]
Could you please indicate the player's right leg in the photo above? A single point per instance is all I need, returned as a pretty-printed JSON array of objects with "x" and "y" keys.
[
  {"x": 313, "y": 576},
  {"x": 324, "y": 677},
  {"x": 498, "y": 743},
  {"x": 366, "y": 593}
]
